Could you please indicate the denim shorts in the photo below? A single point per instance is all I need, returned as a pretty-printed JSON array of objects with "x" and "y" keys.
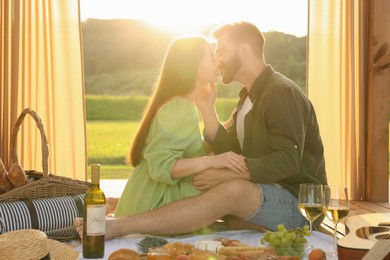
[{"x": 278, "y": 206}]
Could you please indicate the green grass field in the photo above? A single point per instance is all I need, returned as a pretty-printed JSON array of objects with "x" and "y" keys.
[
  {"x": 109, "y": 141},
  {"x": 108, "y": 144}
]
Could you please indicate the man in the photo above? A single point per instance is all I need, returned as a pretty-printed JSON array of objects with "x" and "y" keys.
[{"x": 274, "y": 127}]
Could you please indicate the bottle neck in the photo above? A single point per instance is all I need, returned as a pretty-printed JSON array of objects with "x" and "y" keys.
[
  {"x": 95, "y": 180},
  {"x": 95, "y": 174}
]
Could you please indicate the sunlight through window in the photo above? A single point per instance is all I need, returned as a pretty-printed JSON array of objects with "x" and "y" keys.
[{"x": 192, "y": 16}]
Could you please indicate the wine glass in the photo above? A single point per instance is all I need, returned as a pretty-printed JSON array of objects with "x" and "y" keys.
[
  {"x": 336, "y": 208},
  {"x": 310, "y": 203}
]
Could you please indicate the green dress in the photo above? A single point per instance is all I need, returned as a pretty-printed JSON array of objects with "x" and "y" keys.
[{"x": 174, "y": 134}]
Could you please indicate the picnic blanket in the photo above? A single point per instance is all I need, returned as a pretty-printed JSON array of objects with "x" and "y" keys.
[{"x": 250, "y": 237}]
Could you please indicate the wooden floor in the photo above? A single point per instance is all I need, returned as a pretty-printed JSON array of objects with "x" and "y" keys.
[
  {"x": 364, "y": 207},
  {"x": 356, "y": 208}
]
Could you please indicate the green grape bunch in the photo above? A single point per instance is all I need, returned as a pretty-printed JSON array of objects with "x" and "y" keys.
[{"x": 287, "y": 242}]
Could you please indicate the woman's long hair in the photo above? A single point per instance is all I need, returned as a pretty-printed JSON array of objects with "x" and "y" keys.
[{"x": 177, "y": 77}]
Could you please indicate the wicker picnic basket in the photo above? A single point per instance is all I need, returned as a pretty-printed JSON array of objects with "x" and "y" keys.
[{"x": 47, "y": 185}]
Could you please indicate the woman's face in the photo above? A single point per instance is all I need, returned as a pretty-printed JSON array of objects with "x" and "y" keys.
[{"x": 208, "y": 68}]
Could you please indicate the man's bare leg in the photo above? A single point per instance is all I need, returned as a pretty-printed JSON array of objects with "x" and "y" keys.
[
  {"x": 236, "y": 223},
  {"x": 239, "y": 198}
]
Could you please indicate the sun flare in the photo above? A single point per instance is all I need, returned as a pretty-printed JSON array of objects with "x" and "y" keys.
[
  {"x": 190, "y": 16},
  {"x": 172, "y": 25}
]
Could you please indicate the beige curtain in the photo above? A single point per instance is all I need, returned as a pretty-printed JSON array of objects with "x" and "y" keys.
[
  {"x": 336, "y": 78},
  {"x": 42, "y": 68}
]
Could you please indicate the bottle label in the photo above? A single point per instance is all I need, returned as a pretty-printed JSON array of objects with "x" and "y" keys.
[{"x": 96, "y": 220}]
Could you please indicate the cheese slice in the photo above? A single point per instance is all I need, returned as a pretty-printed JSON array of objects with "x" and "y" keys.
[{"x": 208, "y": 245}]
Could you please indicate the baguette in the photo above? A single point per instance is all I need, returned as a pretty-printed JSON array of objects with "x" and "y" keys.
[
  {"x": 235, "y": 250},
  {"x": 5, "y": 184},
  {"x": 17, "y": 176}
]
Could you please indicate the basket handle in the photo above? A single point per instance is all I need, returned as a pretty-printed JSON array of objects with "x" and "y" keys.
[{"x": 45, "y": 147}]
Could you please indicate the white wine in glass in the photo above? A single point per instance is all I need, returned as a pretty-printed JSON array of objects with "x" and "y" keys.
[
  {"x": 310, "y": 203},
  {"x": 336, "y": 208}
]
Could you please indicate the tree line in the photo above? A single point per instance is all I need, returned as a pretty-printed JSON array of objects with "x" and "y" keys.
[{"x": 122, "y": 56}]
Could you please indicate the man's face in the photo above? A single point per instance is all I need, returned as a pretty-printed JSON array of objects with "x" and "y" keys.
[{"x": 227, "y": 55}]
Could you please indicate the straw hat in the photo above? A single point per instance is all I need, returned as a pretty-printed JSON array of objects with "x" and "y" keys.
[{"x": 33, "y": 244}]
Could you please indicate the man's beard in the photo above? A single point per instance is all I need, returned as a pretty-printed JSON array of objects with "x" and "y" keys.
[{"x": 229, "y": 69}]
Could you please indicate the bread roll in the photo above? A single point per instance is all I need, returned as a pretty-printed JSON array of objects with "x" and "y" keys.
[
  {"x": 124, "y": 254},
  {"x": 17, "y": 176},
  {"x": 5, "y": 184}
]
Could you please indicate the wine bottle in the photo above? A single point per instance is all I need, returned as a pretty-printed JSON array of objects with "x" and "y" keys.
[{"x": 94, "y": 226}]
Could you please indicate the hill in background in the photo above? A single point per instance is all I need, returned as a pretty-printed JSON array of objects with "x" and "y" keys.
[{"x": 122, "y": 57}]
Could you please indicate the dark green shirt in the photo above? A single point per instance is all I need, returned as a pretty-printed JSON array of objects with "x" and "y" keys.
[{"x": 282, "y": 140}]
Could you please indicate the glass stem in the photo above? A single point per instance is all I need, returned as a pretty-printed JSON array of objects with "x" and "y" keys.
[
  {"x": 335, "y": 237},
  {"x": 311, "y": 234}
]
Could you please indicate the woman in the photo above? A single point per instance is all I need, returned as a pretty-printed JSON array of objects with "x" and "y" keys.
[{"x": 168, "y": 149}]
